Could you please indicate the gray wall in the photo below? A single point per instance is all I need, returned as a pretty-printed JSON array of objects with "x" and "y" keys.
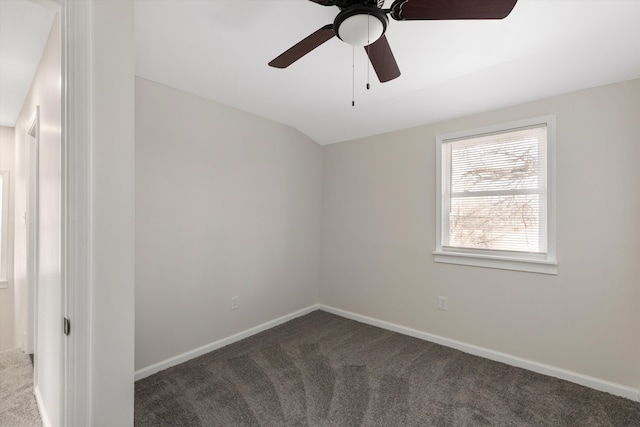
[
  {"x": 227, "y": 204},
  {"x": 231, "y": 204},
  {"x": 379, "y": 233},
  {"x": 112, "y": 213}
]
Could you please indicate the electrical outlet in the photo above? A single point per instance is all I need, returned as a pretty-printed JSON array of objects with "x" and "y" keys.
[
  {"x": 234, "y": 303},
  {"x": 442, "y": 303}
]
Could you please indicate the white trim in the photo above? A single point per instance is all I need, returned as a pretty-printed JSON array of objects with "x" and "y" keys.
[
  {"x": 43, "y": 413},
  {"x": 541, "y": 368},
  {"x": 501, "y": 263},
  {"x": 552, "y": 183},
  {"x": 192, "y": 354},
  {"x": 77, "y": 249},
  {"x": 498, "y": 128}
]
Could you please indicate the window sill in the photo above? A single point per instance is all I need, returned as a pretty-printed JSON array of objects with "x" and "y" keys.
[{"x": 502, "y": 263}]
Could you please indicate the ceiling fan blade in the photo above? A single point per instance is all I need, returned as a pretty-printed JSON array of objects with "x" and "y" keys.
[
  {"x": 303, "y": 47},
  {"x": 402, "y": 10},
  {"x": 382, "y": 59}
]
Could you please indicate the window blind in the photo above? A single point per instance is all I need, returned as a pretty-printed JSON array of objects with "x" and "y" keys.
[{"x": 494, "y": 192}]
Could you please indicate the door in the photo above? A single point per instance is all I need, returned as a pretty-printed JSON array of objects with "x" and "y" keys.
[
  {"x": 30, "y": 221},
  {"x": 47, "y": 251}
]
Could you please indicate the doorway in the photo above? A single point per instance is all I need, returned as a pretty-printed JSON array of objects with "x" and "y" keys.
[
  {"x": 97, "y": 246},
  {"x": 38, "y": 202}
]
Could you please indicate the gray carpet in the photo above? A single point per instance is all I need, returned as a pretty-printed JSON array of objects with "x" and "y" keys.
[
  {"x": 18, "y": 406},
  {"x": 324, "y": 370}
]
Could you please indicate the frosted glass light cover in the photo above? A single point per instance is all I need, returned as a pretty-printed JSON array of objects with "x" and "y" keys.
[{"x": 356, "y": 31}]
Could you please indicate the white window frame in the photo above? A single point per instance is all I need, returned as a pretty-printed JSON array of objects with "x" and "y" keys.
[
  {"x": 536, "y": 263},
  {"x": 4, "y": 228}
]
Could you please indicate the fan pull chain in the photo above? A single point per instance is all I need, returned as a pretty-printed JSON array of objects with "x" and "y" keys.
[
  {"x": 368, "y": 47},
  {"x": 353, "y": 76}
]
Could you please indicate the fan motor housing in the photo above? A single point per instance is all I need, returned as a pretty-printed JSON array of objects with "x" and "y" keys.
[{"x": 360, "y": 25}]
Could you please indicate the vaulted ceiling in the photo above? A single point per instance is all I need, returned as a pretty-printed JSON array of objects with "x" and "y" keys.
[{"x": 219, "y": 49}]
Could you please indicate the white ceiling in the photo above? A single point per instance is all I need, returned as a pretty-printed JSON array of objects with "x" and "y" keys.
[
  {"x": 220, "y": 50},
  {"x": 24, "y": 30}
]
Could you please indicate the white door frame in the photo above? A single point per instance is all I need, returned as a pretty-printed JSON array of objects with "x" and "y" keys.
[
  {"x": 76, "y": 209},
  {"x": 81, "y": 397},
  {"x": 75, "y": 253}
]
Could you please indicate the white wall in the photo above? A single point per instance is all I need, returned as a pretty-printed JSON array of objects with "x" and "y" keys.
[
  {"x": 45, "y": 92},
  {"x": 7, "y": 325},
  {"x": 379, "y": 234},
  {"x": 227, "y": 204},
  {"x": 110, "y": 376}
]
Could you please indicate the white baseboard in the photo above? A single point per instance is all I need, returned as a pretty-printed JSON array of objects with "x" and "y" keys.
[
  {"x": 192, "y": 354},
  {"x": 541, "y": 368},
  {"x": 43, "y": 413}
]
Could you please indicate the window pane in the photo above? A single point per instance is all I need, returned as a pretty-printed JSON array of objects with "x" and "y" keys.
[
  {"x": 508, "y": 223},
  {"x": 498, "y": 162}
]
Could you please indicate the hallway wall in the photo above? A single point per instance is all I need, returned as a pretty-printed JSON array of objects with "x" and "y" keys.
[
  {"x": 7, "y": 335},
  {"x": 45, "y": 92}
]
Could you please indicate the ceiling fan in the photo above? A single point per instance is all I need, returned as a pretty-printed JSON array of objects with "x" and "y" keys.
[{"x": 364, "y": 23}]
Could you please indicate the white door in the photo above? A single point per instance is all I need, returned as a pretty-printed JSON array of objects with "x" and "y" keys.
[
  {"x": 48, "y": 356},
  {"x": 30, "y": 219}
]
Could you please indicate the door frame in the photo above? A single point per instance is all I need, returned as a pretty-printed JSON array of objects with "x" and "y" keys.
[
  {"x": 76, "y": 202},
  {"x": 75, "y": 251},
  {"x": 77, "y": 255},
  {"x": 76, "y": 209}
]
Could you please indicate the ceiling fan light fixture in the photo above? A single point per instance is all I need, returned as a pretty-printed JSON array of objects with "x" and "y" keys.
[{"x": 360, "y": 26}]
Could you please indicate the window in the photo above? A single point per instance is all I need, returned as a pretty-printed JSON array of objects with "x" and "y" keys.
[
  {"x": 4, "y": 226},
  {"x": 496, "y": 196}
]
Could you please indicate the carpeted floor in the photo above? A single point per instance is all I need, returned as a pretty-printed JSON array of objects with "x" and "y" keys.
[
  {"x": 18, "y": 406},
  {"x": 324, "y": 370}
]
